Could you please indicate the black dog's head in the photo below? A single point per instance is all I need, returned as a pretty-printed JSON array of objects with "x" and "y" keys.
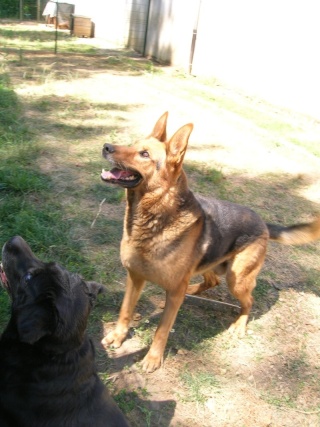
[{"x": 50, "y": 306}]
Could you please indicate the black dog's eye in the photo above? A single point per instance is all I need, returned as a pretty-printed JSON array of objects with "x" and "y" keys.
[
  {"x": 27, "y": 278},
  {"x": 144, "y": 154}
]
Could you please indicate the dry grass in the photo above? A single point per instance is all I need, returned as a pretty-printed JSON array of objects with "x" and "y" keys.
[{"x": 242, "y": 149}]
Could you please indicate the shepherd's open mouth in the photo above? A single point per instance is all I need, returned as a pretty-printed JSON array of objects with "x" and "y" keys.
[{"x": 124, "y": 177}]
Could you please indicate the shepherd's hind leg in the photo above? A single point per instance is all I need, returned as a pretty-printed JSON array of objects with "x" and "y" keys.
[
  {"x": 241, "y": 276},
  {"x": 210, "y": 280}
]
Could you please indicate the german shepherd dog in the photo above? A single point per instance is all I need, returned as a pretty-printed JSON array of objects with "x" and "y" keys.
[
  {"x": 170, "y": 234},
  {"x": 47, "y": 369}
]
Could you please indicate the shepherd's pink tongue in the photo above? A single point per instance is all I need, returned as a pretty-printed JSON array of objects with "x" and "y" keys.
[
  {"x": 115, "y": 174},
  {"x": 109, "y": 175}
]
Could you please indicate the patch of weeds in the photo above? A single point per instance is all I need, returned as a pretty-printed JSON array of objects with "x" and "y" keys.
[
  {"x": 205, "y": 174},
  {"x": 43, "y": 105},
  {"x": 109, "y": 231},
  {"x": 22, "y": 180},
  {"x": 147, "y": 414},
  {"x": 192, "y": 329},
  {"x": 312, "y": 280},
  {"x": 136, "y": 66},
  {"x": 104, "y": 311},
  {"x": 152, "y": 68},
  {"x": 126, "y": 400},
  {"x": 108, "y": 268},
  {"x": 145, "y": 331},
  {"x": 296, "y": 366},
  {"x": 261, "y": 290},
  {"x": 108, "y": 304},
  {"x": 269, "y": 275},
  {"x": 32, "y": 39},
  {"x": 205, "y": 180},
  {"x": 279, "y": 401},
  {"x": 9, "y": 106},
  {"x": 270, "y": 196},
  {"x": 200, "y": 385},
  {"x": 101, "y": 191},
  {"x": 311, "y": 146},
  {"x": 134, "y": 405},
  {"x": 149, "y": 291}
]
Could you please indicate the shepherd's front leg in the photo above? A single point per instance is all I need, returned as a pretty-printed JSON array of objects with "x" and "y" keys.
[
  {"x": 134, "y": 287},
  {"x": 154, "y": 357}
]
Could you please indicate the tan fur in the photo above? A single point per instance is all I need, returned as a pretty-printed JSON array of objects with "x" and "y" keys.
[{"x": 171, "y": 235}]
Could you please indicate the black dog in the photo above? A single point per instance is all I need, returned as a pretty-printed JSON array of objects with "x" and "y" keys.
[{"x": 47, "y": 370}]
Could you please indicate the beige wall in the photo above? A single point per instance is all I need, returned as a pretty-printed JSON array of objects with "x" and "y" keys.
[
  {"x": 108, "y": 17},
  {"x": 270, "y": 48}
]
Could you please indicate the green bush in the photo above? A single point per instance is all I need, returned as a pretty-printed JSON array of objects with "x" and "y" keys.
[{"x": 11, "y": 9}]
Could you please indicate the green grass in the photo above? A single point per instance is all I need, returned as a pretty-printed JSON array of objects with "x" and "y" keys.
[
  {"x": 29, "y": 206},
  {"x": 199, "y": 384},
  {"x": 4, "y": 308},
  {"x": 131, "y": 402},
  {"x": 135, "y": 405},
  {"x": 278, "y": 126},
  {"x": 42, "y": 40}
]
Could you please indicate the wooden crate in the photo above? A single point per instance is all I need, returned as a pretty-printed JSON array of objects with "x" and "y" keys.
[{"x": 81, "y": 26}]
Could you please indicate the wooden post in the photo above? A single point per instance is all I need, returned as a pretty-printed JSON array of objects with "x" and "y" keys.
[
  {"x": 38, "y": 10},
  {"x": 21, "y": 10},
  {"x": 56, "y": 36}
]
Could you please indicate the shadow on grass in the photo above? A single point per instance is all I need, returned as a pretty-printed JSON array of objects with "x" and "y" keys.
[
  {"x": 74, "y": 119},
  {"x": 37, "y": 36},
  {"x": 40, "y": 66}
]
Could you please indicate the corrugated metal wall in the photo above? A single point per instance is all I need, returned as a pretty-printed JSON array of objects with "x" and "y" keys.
[
  {"x": 123, "y": 22},
  {"x": 137, "y": 20},
  {"x": 170, "y": 30},
  {"x": 161, "y": 29}
]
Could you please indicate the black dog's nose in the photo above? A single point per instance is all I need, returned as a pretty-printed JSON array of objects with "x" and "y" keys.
[{"x": 108, "y": 148}]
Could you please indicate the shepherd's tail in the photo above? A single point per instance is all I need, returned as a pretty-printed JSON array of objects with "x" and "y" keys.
[{"x": 297, "y": 234}]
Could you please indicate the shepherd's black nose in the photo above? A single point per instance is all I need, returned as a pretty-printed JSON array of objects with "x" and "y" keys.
[{"x": 108, "y": 148}]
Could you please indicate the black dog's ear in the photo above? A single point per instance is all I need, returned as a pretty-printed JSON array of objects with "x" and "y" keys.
[
  {"x": 31, "y": 325},
  {"x": 94, "y": 289}
]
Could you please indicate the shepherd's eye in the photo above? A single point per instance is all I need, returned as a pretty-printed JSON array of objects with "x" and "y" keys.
[
  {"x": 27, "y": 278},
  {"x": 144, "y": 154}
]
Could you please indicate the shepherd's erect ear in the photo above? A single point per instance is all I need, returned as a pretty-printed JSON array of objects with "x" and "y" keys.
[
  {"x": 177, "y": 145},
  {"x": 160, "y": 129}
]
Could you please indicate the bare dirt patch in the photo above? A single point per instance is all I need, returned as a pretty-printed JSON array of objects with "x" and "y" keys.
[{"x": 242, "y": 149}]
